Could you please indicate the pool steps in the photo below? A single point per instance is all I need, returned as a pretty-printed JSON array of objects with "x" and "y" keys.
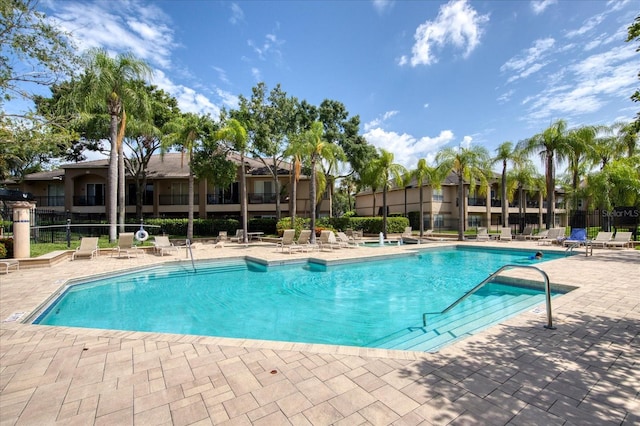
[{"x": 471, "y": 316}]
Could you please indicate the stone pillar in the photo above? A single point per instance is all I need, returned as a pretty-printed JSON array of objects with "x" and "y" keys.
[{"x": 21, "y": 228}]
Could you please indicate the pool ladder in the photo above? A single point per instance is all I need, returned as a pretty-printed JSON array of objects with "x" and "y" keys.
[
  {"x": 190, "y": 253},
  {"x": 547, "y": 290}
]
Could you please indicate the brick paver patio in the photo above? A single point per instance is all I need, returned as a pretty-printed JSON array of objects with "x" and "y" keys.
[{"x": 587, "y": 371}]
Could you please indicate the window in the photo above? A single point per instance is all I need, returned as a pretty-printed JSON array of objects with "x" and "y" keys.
[
  {"x": 55, "y": 195},
  {"x": 95, "y": 194},
  {"x": 438, "y": 221},
  {"x": 437, "y": 195},
  {"x": 474, "y": 221}
]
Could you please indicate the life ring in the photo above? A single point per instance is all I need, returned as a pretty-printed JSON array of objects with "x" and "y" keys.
[{"x": 142, "y": 235}]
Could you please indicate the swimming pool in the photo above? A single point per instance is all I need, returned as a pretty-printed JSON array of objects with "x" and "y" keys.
[{"x": 369, "y": 304}]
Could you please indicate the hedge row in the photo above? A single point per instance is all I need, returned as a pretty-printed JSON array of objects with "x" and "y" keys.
[
  {"x": 6, "y": 248},
  {"x": 207, "y": 227},
  {"x": 368, "y": 225}
]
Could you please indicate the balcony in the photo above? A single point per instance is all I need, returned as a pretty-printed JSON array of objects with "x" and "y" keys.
[
  {"x": 265, "y": 198},
  {"x": 79, "y": 200},
  {"x": 478, "y": 202},
  {"x": 219, "y": 199},
  {"x": 177, "y": 200},
  {"x": 50, "y": 201}
]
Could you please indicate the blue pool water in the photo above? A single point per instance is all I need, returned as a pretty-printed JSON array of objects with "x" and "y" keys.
[{"x": 369, "y": 304}]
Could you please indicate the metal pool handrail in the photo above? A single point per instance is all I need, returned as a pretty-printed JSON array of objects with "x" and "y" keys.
[
  {"x": 188, "y": 247},
  {"x": 547, "y": 290}
]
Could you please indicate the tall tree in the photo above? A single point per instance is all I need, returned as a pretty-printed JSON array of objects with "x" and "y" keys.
[
  {"x": 32, "y": 52},
  {"x": 316, "y": 148},
  {"x": 390, "y": 173},
  {"x": 471, "y": 165},
  {"x": 523, "y": 174},
  {"x": 426, "y": 174},
  {"x": 143, "y": 137},
  {"x": 551, "y": 144},
  {"x": 581, "y": 142},
  {"x": 505, "y": 153},
  {"x": 633, "y": 34},
  {"x": 107, "y": 84},
  {"x": 236, "y": 134},
  {"x": 187, "y": 133}
]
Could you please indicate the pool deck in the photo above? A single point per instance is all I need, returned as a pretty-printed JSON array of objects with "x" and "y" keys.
[{"x": 586, "y": 371}]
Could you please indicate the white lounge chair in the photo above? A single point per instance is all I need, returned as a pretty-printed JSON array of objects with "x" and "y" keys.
[
  {"x": 303, "y": 242},
  {"x": 505, "y": 234},
  {"x": 125, "y": 246},
  {"x": 8, "y": 264},
  {"x": 601, "y": 239},
  {"x": 526, "y": 233},
  {"x": 287, "y": 240},
  {"x": 328, "y": 240},
  {"x": 239, "y": 238},
  {"x": 88, "y": 248},
  {"x": 620, "y": 239},
  {"x": 345, "y": 241},
  {"x": 483, "y": 234},
  {"x": 162, "y": 245},
  {"x": 554, "y": 236},
  {"x": 540, "y": 235}
]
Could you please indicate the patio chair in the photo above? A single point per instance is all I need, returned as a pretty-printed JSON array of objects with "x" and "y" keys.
[
  {"x": 88, "y": 248},
  {"x": 345, "y": 241},
  {"x": 328, "y": 240},
  {"x": 620, "y": 239},
  {"x": 303, "y": 242},
  {"x": 221, "y": 239},
  {"x": 578, "y": 237},
  {"x": 483, "y": 234},
  {"x": 239, "y": 238},
  {"x": 125, "y": 246},
  {"x": 505, "y": 234},
  {"x": 554, "y": 236},
  {"x": 287, "y": 239},
  {"x": 162, "y": 245},
  {"x": 601, "y": 239},
  {"x": 540, "y": 235},
  {"x": 526, "y": 232},
  {"x": 7, "y": 264}
]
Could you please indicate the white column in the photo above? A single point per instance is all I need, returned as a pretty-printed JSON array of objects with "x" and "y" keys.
[{"x": 21, "y": 228}]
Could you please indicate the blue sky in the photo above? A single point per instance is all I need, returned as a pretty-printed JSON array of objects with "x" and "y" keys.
[{"x": 421, "y": 75}]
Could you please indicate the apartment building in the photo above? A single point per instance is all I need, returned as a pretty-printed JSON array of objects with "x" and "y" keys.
[
  {"x": 80, "y": 189},
  {"x": 441, "y": 205}
]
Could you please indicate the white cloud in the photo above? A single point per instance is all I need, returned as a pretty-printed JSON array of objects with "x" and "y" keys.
[
  {"x": 595, "y": 79},
  {"x": 590, "y": 24},
  {"x": 407, "y": 149},
  {"x": 188, "y": 99},
  {"x": 382, "y": 6},
  {"x": 222, "y": 75},
  {"x": 257, "y": 75},
  {"x": 539, "y": 6},
  {"x": 527, "y": 62},
  {"x": 377, "y": 122},
  {"x": 270, "y": 47},
  {"x": 457, "y": 24},
  {"x": 237, "y": 14},
  {"x": 142, "y": 29}
]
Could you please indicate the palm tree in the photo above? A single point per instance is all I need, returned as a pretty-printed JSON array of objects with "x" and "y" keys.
[
  {"x": 506, "y": 153},
  {"x": 523, "y": 174},
  {"x": 551, "y": 144},
  {"x": 316, "y": 148},
  {"x": 388, "y": 172},
  {"x": 373, "y": 179},
  {"x": 471, "y": 165},
  {"x": 581, "y": 142},
  {"x": 295, "y": 150},
  {"x": 423, "y": 173},
  {"x": 107, "y": 83},
  {"x": 236, "y": 133},
  {"x": 185, "y": 133}
]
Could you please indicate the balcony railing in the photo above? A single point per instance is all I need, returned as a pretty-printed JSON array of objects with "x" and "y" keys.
[
  {"x": 479, "y": 202},
  {"x": 177, "y": 200},
  {"x": 217, "y": 199},
  {"x": 79, "y": 200},
  {"x": 265, "y": 198},
  {"x": 50, "y": 201}
]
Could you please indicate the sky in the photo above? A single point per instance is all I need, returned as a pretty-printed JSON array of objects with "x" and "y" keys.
[{"x": 421, "y": 75}]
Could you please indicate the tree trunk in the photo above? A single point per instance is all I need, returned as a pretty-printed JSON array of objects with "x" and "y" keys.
[
  {"x": 460, "y": 208},
  {"x": 243, "y": 194},
  {"x": 505, "y": 206},
  {"x": 121, "y": 189},
  {"x": 112, "y": 181},
  {"x": 384, "y": 210},
  {"x": 550, "y": 193},
  {"x": 191, "y": 197},
  {"x": 312, "y": 196},
  {"x": 421, "y": 211}
]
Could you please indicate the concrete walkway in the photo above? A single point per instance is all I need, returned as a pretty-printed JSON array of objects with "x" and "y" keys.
[{"x": 587, "y": 371}]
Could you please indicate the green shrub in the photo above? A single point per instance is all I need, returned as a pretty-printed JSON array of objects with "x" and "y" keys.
[
  {"x": 7, "y": 243},
  {"x": 3, "y": 251},
  {"x": 285, "y": 223}
]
